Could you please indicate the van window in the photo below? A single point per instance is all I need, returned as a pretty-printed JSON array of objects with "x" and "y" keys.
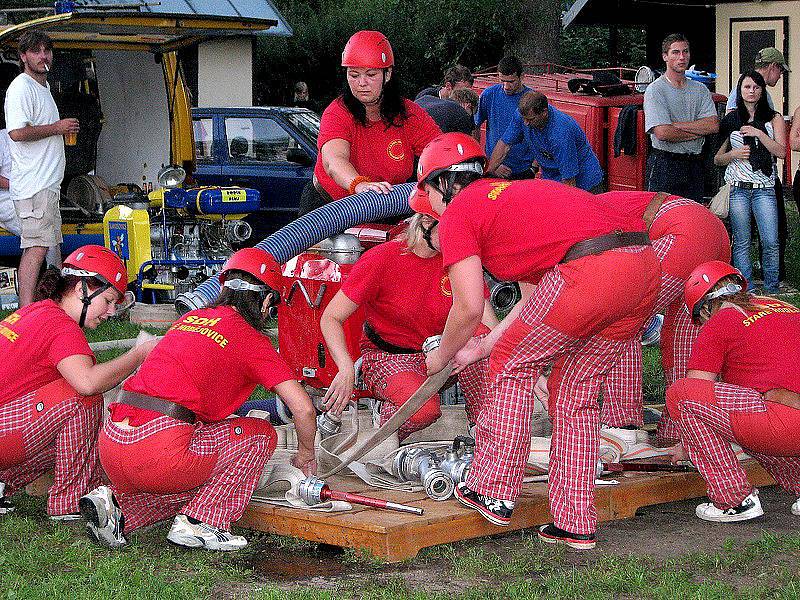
[
  {"x": 203, "y": 139},
  {"x": 257, "y": 140}
]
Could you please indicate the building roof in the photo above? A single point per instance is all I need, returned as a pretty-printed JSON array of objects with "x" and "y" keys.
[
  {"x": 248, "y": 9},
  {"x": 628, "y": 12}
]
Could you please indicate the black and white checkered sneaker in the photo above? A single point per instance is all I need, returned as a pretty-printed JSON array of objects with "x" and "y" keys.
[{"x": 493, "y": 510}]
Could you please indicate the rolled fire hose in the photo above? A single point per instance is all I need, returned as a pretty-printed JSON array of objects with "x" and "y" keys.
[
  {"x": 429, "y": 387},
  {"x": 302, "y": 233}
]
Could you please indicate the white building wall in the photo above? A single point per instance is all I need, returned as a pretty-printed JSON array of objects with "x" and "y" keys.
[
  {"x": 750, "y": 10},
  {"x": 225, "y": 73},
  {"x": 134, "y": 141}
]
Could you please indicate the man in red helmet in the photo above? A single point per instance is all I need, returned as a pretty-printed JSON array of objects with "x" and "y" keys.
[
  {"x": 169, "y": 448},
  {"x": 743, "y": 386},
  {"x": 596, "y": 280},
  {"x": 369, "y": 136}
]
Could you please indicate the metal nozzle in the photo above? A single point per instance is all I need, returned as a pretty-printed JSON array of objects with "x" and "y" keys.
[{"x": 310, "y": 490}]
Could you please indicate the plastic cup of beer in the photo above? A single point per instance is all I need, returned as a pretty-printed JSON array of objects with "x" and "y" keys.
[{"x": 71, "y": 138}]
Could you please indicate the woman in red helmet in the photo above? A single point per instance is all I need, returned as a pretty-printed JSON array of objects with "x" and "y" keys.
[
  {"x": 50, "y": 384},
  {"x": 596, "y": 280},
  {"x": 169, "y": 448},
  {"x": 393, "y": 365},
  {"x": 743, "y": 386},
  {"x": 369, "y": 136}
]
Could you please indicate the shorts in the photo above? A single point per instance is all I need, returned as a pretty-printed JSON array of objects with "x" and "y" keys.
[{"x": 40, "y": 218}]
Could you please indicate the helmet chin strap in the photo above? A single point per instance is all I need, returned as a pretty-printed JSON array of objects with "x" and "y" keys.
[
  {"x": 427, "y": 234},
  {"x": 86, "y": 298},
  {"x": 447, "y": 192}
]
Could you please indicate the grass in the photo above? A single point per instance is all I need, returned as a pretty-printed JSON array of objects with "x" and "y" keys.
[{"x": 39, "y": 559}]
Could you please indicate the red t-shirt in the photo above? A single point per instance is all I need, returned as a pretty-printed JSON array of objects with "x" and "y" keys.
[
  {"x": 376, "y": 151},
  {"x": 758, "y": 350},
  {"x": 209, "y": 361},
  {"x": 520, "y": 229},
  {"x": 406, "y": 298},
  {"x": 683, "y": 217},
  {"x": 33, "y": 340}
]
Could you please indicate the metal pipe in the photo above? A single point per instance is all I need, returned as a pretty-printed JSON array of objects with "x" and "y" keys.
[
  {"x": 313, "y": 490},
  {"x": 618, "y": 467}
]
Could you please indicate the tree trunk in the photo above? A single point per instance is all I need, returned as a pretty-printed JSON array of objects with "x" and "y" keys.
[{"x": 539, "y": 36}]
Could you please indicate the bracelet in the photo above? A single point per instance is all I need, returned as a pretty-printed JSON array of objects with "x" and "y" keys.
[{"x": 356, "y": 180}]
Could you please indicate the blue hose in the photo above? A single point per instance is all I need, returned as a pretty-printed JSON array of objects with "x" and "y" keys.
[{"x": 302, "y": 233}]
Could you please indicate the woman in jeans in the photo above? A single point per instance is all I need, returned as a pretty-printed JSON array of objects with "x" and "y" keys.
[{"x": 754, "y": 136}]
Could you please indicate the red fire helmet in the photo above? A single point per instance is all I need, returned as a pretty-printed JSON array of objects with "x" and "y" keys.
[
  {"x": 420, "y": 202},
  {"x": 100, "y": 262},
  {"x": 702, "y": 280},
  {"x": 446, "y": 152},
  {"x": 369, "y": 50},
  {"x": 259, "y": 263}
]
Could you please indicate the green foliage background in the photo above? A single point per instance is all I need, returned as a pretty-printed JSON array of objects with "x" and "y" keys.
[{"x": 427, "y": 37}]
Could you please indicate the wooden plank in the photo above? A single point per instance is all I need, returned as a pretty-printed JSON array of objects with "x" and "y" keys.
[{"x": 393, "y": 536}]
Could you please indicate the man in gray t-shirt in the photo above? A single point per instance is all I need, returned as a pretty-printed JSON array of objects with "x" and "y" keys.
[{"x": 678, "y": 114}]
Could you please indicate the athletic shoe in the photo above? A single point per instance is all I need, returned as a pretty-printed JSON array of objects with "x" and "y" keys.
[
  {"x": 493, "y": 510},
  {"x": 104, "y": 517},
  {"x": 202, "y": 535},
  {"x": 796, "y": 508},
  {"x": 750, "y": 508},
  {"x": 5, "y": 504},
  {"x": 550, "y": 534},
  {"x": 66, "y": 518}
]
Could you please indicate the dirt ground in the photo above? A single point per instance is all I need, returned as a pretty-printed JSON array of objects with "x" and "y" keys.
[{"x": 660, "y": 532}]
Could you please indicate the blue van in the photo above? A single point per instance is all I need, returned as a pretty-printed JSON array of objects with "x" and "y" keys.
[{"x": 271, "y": 149}]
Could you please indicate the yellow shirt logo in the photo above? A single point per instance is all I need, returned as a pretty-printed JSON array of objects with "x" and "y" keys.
[
  {"x": 395, "y": 150},
  {"x": 497, "y": 189}
]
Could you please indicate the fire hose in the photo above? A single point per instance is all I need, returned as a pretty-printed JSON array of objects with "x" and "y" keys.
[
  {"x": 314, "y": 491},
  {"x": 311, "y": 228}
]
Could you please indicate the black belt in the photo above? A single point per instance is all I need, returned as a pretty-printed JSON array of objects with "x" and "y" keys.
[
  {"x": 610, "y": 241},
  {"x": 159, "y": 405},
  {"x": 382, "y": 344},
  {"x": 679, "y": 156}
]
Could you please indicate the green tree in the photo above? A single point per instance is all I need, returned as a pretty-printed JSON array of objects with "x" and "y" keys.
[{"x": 427, "y": 38}]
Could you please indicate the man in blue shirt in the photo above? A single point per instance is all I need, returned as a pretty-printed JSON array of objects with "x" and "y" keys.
[
  {"x": 497, "y": 106},
  {"x": 557, "y": 142}
]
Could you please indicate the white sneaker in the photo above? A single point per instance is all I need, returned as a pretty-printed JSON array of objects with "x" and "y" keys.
[
  {"x": 202, "y": 535},
  {"x": 796, "y": 508},
  {"x": 629, "y": 436},
  {"x": 5, "y": 504},
  {"x": 750, "y": 508},
  {"x": 104, "y": 517}
]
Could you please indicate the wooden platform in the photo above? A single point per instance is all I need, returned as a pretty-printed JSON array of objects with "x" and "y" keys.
[{"x": 393, "y": 536}]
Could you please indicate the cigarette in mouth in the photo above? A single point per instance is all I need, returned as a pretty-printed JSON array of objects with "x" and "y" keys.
[{"x": 46, "y": 68}]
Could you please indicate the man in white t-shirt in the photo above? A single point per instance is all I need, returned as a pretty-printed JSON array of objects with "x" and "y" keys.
[
  {"x": 8, "y": 214},
  {"x": 37, "y": 157}
]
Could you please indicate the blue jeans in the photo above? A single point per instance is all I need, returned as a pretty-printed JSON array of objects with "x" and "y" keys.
[{"x": 761, "y": 203}]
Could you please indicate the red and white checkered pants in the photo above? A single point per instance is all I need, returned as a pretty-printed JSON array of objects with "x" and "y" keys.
[
  {"x": 581, "y": 316},
  {"x": 711, "y": 415},
  {"x": 51, "y": 428},
  {"x": 393, "y": 378},
  {"x": 697, "y": 236},
  {"x": 165, "y": 467}
]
